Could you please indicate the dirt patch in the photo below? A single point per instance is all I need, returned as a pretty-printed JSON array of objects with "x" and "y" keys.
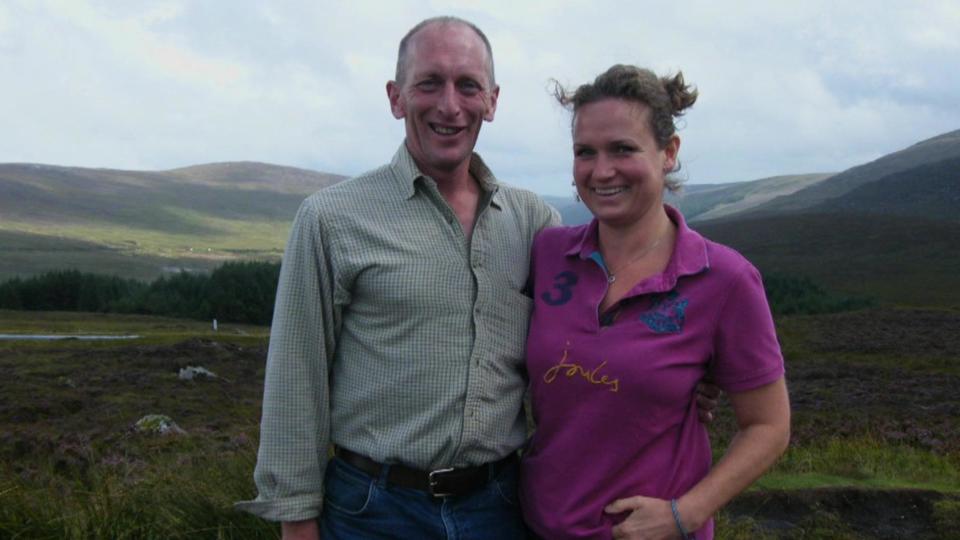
[{"x": 840, "y": 513}]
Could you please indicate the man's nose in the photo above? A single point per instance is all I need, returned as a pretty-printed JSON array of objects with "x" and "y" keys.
[{"x": 449, "y": 100}]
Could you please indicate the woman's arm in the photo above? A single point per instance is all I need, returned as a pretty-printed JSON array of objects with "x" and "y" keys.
[{"x": 763, "y": 420}]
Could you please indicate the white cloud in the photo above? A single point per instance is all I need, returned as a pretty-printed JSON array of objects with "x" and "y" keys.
[{"x": 817, "y": 86}]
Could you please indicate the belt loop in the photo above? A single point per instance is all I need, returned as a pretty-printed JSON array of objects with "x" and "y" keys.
[{"x": 384, "y": 474}]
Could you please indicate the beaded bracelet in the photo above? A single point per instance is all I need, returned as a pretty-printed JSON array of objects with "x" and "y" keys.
[{"x": 676, "y": 518}]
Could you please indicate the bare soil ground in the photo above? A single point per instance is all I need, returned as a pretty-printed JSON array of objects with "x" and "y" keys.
[
  {"x": 889, "y": 374},
  {"x": 846, "y": 513},
  {"x": 72, "y": 402}
]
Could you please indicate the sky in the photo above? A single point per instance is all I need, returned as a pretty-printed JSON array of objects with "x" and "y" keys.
[{"x": 785, "y": 87}]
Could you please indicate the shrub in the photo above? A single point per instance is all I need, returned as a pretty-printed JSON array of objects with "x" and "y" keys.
[{"x": 792, "y": 295}]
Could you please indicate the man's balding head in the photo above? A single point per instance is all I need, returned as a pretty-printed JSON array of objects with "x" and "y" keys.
[{"x": 406, "y": 42}]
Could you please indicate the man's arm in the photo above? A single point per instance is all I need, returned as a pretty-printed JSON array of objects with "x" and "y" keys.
[
  {"x": 708, "y": 396},
  {"x": 294, "y": 428}
]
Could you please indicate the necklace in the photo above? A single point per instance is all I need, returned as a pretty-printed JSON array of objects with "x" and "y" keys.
[{"x": 612, "y": 274}]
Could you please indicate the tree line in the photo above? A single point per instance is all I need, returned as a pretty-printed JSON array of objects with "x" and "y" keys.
[
  {"x": 241, "y": 292},
  {"x": 792, "y": 295},
  {"x": 244, "y": 292}
]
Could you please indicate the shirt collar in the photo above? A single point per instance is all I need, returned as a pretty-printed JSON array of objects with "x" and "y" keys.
[
  {"x": 406, "y": 173},
  {"x": 689, "y": 252}
]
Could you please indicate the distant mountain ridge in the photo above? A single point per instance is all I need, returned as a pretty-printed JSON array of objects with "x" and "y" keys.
[
  {"x": 256, "y": 175},
  {"x": 889, "y": 228},
  {"x": 699, "y": 202},
  {"x": 921, "y": 180},
  {"x": 941, "y": 148},
  {"x": 930, "y": 191},
  {"x": 191, "y": 217}
]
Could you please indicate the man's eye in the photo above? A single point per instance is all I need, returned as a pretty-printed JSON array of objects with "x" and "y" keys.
[
  {"x": 469, "y": 87},
  {"x": 428, "y": 85}
]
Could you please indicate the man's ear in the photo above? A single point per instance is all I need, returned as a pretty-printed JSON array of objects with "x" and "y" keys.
[
  {"x": 396, "y": 100},
  {"x": 492, "y": 108}
]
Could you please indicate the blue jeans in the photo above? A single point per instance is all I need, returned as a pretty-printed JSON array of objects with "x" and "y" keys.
[{"x": 358, "y": 506}]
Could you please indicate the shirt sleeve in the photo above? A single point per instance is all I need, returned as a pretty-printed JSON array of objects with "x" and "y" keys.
[
  {"x": 746, "y": 351},
  {"x": 295, "y": 423},
  {"x": 551, "y": 217}
]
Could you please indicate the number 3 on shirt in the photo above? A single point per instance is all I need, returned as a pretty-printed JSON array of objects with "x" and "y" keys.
[{"x": 562, "y": 290}]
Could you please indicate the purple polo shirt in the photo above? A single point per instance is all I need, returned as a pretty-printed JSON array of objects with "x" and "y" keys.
[{"x": 613, "y": 396}]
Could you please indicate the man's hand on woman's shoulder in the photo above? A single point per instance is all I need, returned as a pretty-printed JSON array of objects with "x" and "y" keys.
[{"x": 708, "y": 395}]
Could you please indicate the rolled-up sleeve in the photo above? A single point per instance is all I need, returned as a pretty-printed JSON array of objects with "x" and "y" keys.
[{"x": 295, "y": 425}]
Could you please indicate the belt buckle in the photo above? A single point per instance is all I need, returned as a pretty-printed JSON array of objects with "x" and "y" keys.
[{"x": 434, "y": 482}]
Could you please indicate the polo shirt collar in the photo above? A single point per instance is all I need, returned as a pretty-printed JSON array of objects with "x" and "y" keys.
[
  {"x": 406, "y": 173},
  {"x": 689, "y": 253}
]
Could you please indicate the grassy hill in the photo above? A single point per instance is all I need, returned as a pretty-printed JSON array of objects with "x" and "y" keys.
[
  {"x": 929, "y": 191},
  {"x": 711, "y": 201},
  {"x": 142, "y": 223},
  {"x": 901, "y": 260},
  {"x": 887, "y": 229},
  {"x": 26, "y": 254},
  {"x": 731, "y": 199},
  {"x": 937, "y": 149}
]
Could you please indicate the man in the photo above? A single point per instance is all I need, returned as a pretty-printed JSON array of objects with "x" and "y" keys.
[{"x": 399, "y": 328}]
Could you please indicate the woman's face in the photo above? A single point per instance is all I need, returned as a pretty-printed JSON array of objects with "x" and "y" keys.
[{"x": 618, "y": 168}]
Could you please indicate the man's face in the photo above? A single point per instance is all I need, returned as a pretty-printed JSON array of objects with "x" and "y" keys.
[{"x": 445, "y": 96}]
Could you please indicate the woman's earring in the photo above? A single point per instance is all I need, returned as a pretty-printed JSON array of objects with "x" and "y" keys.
[{"x": 576, "y": 195}]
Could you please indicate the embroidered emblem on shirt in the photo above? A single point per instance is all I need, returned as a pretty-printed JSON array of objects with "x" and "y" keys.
[
  {"x": 666, "y": 313},
  {"x": 563, "y": 284},
  {"x": 571, "y": 369}
]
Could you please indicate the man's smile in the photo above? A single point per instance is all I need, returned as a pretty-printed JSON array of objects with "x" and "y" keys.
[{"x": 445, "y": 130}]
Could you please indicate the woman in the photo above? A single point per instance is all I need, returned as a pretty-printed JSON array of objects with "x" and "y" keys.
[{"x": 631, "y": 311}]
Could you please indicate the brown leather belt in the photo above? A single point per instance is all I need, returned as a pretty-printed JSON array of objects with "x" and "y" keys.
[{"x": 439, "y": 483}]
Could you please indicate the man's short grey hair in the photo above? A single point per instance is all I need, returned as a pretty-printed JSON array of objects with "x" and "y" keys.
[{"x": 405, "y": 45}]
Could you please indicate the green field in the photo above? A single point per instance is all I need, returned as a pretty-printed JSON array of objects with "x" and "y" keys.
[
  {"x": 146, "y": 254},
  {"x": 875, "y": 452},
  {"x": 143, "y": 224}
]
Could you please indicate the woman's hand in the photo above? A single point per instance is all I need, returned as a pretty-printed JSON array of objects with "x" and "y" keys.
[{"x": 649, "y": 519}]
